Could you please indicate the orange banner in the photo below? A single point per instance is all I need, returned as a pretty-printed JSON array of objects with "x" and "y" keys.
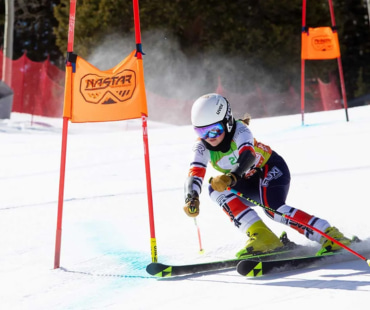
[
  {"x": 320, "y": 43},
  {"x": 116, "y": 94}
]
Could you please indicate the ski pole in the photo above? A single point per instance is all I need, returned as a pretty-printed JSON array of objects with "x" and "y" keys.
[
  {"x": 201, "y": 251},
  {"x": 300, "y": 223}
]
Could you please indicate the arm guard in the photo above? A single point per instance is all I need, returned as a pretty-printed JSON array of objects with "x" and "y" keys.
[
  {"x": 244, "y": 163},
  {"x": 189, "y": 192}
]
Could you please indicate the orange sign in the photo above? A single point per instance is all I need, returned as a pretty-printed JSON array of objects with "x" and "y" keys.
[
  {"x": 320, "y": 43},
  {"x": 92, "y": 95}
]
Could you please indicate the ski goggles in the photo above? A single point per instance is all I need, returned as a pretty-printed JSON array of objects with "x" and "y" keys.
[{"x": 211, "y": 131}]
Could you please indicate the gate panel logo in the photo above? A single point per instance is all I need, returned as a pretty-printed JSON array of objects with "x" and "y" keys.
[
  {"x": 322, "y": 43},
  {"x": 108, "y": 89}
]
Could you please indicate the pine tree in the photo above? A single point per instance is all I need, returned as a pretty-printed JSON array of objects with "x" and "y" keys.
[
  {"x": 264, "y": 35},
  {"x": 33, "y": 33}
]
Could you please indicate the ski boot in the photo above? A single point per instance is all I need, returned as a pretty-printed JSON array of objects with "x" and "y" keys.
[
  {"x": 329, "y": 246},
  {"x": 261, "y": 240}
]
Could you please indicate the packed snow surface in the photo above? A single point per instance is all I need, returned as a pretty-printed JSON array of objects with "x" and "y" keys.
[{"x": 106, "y": 238}]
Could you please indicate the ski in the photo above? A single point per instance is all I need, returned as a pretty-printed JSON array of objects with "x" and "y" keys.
[
  {"x": 163, "y": 270},
  {"x": 258, "y": 268}
]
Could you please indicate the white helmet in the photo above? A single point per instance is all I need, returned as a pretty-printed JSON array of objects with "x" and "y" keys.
[{"x": 210, "y": 109}]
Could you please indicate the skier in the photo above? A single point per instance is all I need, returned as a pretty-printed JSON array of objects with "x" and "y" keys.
[{"x": 251, "y": 168}]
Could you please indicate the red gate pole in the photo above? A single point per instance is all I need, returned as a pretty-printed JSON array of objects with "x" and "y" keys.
[
  {"x": 303, "y": 63},
  {"x": 339, "y": 59},
  {"x": 139, "y": 53},
  {"x": 58, "y": 241}
]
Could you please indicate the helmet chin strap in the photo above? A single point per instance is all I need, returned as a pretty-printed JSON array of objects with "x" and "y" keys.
[
  {"x": 229, "y": 124},
  {"x": 229, "y": 119}
]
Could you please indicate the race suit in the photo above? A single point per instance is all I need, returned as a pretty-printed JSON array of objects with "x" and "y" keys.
[{"x": 266, "y": 182}]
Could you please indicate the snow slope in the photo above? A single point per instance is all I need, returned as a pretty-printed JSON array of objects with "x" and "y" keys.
[{"x": 105, "y": 241}]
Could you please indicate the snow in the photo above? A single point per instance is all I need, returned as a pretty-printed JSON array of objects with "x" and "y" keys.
[{"x": 106, "y": 239}]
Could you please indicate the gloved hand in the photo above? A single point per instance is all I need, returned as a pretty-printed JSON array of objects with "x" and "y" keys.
[
  {"x": 221, "y": 182},
  {"x": 191, "y": 207}
]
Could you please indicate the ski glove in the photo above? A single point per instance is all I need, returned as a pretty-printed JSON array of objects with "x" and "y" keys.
[
  {"x": 221, "y": 182},
  {"x": 191, "y": 207}
]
